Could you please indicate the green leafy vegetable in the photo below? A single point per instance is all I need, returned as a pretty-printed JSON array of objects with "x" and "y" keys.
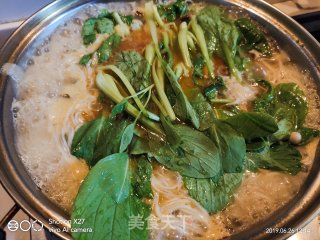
[
  {"x": 181, "y": 7},
  {"x": 172, "y": 136},
  {"x": 127, "y": 19},
  {"x": 188, "y": 111},
  {"x": 226, "y": 112},
  {"x": 134, "y": 67},
  {"x": 287, "y": 96},
  {"x": 141, "y": 180},
  {"x": 266, "y": 98},
  {"x": 106, "y": 14},
  {"x": 127, "y": 137},
  {"x": 254, "y": 37},
  {"x": 105, "y": 50},
  {"x": 198, "y": 66},
  {"x": 231, "y": 145},
  {"x": 92, "y": 26},
  {"x": 279, "y": 157},
  {"x": 108, "y": 186},
  {"x": 222, "y": 36},
  {"x": 287, "y": 104},
  {"x": 174, "y": 10},
  {"x": 97, "y": 139},
  {"x": 293, "y": 97},
  {"x": 211, "y": 91},
  {"x": 88, "y": 31},
  {"x": 104, "y": 25},
  {"x": 144, "y": 145},
  {"x": 258, "y": 146},
  {"x": 287, "y": 122},
  {"x": 119, "y": 108},
  {"x": 196, "y": 156},
  {"x": 122, "y": 22},
  {"x": 87, "y": 39},
  {"x": 213, "y": 196},
  {"x": 308, "y": 134},
  {"x": 253, "y": 125},
  {"x": 85, "y": 59},
  {"x": 202, "y": 108}
]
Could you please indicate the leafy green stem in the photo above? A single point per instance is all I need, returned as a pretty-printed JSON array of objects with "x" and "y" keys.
[
  {"x": 131, "y": 90},
  {"x": 183, "y": 44},
  {"x": 202, "y": 44},
  {"x": 121, "y": 28},
  {"x": 159, "y": 105},
  {"x": 106, "y": 83},
  {"x": 157, "y": 16},
  {"x": 231, "y": 63},
  {"x": 159, "y": 83}
]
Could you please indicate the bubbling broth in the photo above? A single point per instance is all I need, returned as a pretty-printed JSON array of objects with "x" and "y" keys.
[{"x": 55, "y": 96}]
